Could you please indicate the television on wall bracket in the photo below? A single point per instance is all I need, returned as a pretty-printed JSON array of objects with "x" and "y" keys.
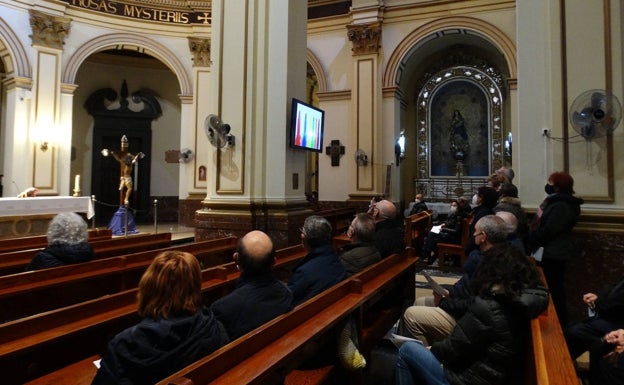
[{"x": 306, "y": 126}]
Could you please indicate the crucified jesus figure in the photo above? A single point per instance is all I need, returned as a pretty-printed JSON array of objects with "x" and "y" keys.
[{"x": 127, "y": 161}]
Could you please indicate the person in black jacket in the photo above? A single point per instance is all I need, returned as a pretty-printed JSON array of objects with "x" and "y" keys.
[
  {"x": 321, "y": 268},
  {"x": 551, "y": 230},
  {"x": 67, "y": 243},
  {"x": 607, "y": 308},
  {"x": 489, "y": 341},
  {"x": 419, "y": 205},
  {"x": 606, "y": 360},
  {"x": 389, "y": 233},
  {"x": 175, "y": 331},
  {"x": 449, "y": 231},
  {"x": 259, "y": 296}
]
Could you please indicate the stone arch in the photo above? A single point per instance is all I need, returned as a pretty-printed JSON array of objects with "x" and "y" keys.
[
  {"x": 129, "y": 41},
  {"x": 487, "y": 31},
  {"x": 318, "y": 70},
  {"x": 19, "y": 65}
]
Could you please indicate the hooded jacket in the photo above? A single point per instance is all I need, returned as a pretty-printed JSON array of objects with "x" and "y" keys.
[
  {"x": 554, "y": 230},
  {"x": 59, "y": 254},
  {"x": 357, "y": 256},
  {"x": 153, "y": 349}
]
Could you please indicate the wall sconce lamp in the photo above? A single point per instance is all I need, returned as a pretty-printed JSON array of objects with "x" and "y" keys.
[{"x": 44, "y": 146}]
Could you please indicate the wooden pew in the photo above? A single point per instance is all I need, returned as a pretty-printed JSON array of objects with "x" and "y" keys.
[
  {"x": 62, "y": 343},
  {"x": 33, "y": 292},
  {"x": 16, "y": 261},
  {"x": 39, "y": 241},
  {"x": 416, "y": 228},
  {"x": 454, "y": 249},
  {"x": 274, "y": 349},
  {"x": 550, "y": 362}
]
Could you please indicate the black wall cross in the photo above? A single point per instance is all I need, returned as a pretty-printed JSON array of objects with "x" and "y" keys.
[{"x": 335, "y": 150}]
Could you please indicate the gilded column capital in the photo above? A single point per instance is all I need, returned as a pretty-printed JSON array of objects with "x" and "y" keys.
[
  {"x": 48, "y": 30},
  {"x": 365, "y": 37},
  {"x": 200, "y": 48}
]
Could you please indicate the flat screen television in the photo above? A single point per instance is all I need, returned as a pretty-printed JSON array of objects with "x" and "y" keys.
[{"x": 306, "y": 126}]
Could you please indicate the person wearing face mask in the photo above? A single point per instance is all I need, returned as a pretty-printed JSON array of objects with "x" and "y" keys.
[
  {"x": 551, "y": 230},
  {"x": 486, "y": 200},
  {"x": 449, "y": 231},
  {"x": 432, "y": 318}
]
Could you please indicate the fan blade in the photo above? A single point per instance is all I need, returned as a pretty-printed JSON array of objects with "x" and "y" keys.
[
  {"x": 598, "y": 100},
  {"x": 580, "y": 119}
]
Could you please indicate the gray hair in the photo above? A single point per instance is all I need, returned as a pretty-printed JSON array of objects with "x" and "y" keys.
[
  {"x": 511, "y": 222},
  {"x": 67, "y": 228},
  {"x": 494, "y": 228},
  {"x": 364, "y": 228},
  {"x": 317, "y": 231}
]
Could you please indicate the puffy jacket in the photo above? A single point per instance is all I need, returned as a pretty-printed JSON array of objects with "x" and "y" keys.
[
  {"x": 357, "y": 256},
  {"x": 59, "y": 254},
  {"x": 488, "y": 343}
]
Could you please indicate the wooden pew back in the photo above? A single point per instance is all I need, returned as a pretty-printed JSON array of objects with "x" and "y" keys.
[
  {"x": 33, "y": 292},
  {"x": 16, "y": 261},
  {"x": 277, "y": 347},
  {"x": 416, "y": 228},
  {"x": 39, "y": 241},
  {"x": 61, "y": 343}
]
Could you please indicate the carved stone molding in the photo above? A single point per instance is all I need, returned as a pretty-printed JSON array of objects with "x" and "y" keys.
[
  {"x": 200, "y": 48},
  {"x": 365, "y": 38},
  {"x": 48, "y": 31}
]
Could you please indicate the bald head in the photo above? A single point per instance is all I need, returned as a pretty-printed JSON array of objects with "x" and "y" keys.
[
  {"x": 255, "y": 253},
  {"x": 511, "y": 222},
  {"x": 385, "y": 210}
]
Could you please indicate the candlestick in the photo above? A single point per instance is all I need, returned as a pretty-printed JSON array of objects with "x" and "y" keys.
[{"x": 77, "y": 186}]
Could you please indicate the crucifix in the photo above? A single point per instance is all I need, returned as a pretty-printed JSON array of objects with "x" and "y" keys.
[{"x": 335, "y": 150}]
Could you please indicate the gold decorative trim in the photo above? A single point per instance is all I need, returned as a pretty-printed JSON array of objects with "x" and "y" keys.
[
  {"x": 316, "y": 65},
  {"x": 334, "y": 95},
  {"x": 365, "y": 38}
]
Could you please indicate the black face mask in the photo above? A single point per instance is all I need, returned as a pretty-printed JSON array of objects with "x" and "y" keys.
[{"x": 550, "y": 189}]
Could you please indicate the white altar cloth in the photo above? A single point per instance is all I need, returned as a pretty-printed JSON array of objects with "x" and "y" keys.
[{"x": 12, "y": 207}]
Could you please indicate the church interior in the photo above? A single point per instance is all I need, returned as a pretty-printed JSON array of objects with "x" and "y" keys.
[{"x": 406, "y": 97}]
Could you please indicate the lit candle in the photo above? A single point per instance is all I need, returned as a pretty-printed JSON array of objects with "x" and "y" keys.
[{"x": 77, "y": 183}]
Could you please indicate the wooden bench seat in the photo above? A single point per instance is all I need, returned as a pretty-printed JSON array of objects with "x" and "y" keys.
[
  {"x": 33, "y": 292},
  {"x": 447, "y": 249},
  {"x": 417, "y": 227},
  {"x": 34, "y": 346},
  {"x": 39, "y": 241},
  {"x": 550, "y": 362},
  {"x": 17, "y": 261},
  {"x": 274, "y": 349}
]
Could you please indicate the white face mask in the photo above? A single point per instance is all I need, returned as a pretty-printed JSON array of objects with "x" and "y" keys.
[
  {"x": 475, "y": 198},
  {"x": 453, "y": 210},
  {"x": 416, "y": 200}
]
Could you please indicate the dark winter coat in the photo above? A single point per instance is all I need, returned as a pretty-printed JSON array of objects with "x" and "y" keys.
[
  {"x": 487, "y": 346},
  {"x": 255, "y": 301},
  {"x": 154, "y": 349},
  {"x": 610, "y": 303},
  {"x": 60, "y": 254},
  {"x": 389, "y": 237},
  {"x": 553, "y": 232},
  {"x": 319, "y": 270},
  {"x": 357, "y": 256}
]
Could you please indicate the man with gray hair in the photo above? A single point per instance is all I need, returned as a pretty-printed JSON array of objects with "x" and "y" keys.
[
  {"x": 321, "y": 268},
  {"x": 434, "y": 317},
  {"x": 507, "y": 172},
  {"x": 361, "y": 252}
]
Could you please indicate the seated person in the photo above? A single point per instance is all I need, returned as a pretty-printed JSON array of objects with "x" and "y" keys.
[
  {"x": 434, "y": 317},
  {"x": 259, "y": 296},
  {"x": 608, "y": 314},
  {"x": 489, "y": 340},
  {"x": 361, "y": 252},
  {"x": 449, "y": 231},
  {"x": 606, "y": 360},
  {"x": 418, "y": 206},
  {"x": 67, "y": 243},
  {"x": 321, "y": 268},
  {"x": 175, "y": 331},
  {"x": 389, "y": 233},
  {"x": 485, "y": 200}
]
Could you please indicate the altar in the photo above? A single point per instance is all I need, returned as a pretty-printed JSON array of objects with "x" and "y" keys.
[{"x": 30, "y": 216}]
